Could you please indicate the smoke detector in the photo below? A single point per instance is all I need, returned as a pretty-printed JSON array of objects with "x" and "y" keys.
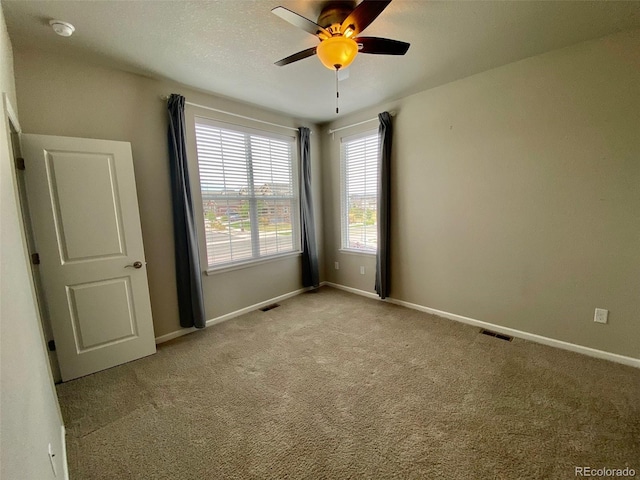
[{"x": 63, "y": 29}]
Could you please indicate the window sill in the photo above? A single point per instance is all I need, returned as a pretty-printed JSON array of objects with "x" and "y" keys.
[
  {"x": 350, "y": 251},
  {"x": 250, "y": 263}
]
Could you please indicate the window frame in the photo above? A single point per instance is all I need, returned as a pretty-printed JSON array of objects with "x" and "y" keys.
[
  {"x": 344, "y": 218},
  {"x": 210, "y": 268}
]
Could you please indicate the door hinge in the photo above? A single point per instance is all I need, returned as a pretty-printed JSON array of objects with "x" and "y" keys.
[
  {"x": 35, "y": 258},
  {"x": 20, "y": 163},
  {"x": 52, "y": 345}
]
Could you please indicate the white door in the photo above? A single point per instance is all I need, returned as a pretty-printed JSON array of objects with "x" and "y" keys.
[{"x": 84, "y": 210}]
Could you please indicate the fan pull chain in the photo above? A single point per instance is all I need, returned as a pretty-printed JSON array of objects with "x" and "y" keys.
[{"x": 337, "y": 93}]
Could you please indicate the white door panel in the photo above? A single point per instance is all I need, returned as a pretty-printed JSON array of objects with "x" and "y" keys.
[
  {"x": 101, "y": 313},
  {"x": 96, "y": 216},
  {"x": 84, "y": 210}
]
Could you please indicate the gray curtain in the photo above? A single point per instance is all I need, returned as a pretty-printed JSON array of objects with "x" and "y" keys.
[
  {"x": 385, "y": 132},
  {"x": 310, "y": 276},
  {"x": 188, "y": 276}
]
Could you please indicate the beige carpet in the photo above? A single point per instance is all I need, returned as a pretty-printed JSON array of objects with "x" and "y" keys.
[{"x": 334, "y": 386}]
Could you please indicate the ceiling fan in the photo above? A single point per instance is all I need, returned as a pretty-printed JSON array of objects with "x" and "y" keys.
[{"x": 338, "y": 27}]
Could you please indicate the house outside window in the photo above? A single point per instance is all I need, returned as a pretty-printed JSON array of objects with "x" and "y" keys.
[
  {"x": 249, "y": 187},
  {"x": 359, "y": 195}
]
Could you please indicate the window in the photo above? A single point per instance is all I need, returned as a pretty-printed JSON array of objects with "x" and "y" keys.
[
  {"x": 359, "y": 158},
  {"x": 249, "y": 187}
]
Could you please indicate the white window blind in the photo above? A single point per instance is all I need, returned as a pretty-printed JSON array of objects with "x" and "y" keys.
[
  {"x": 249, "y": 191},
  {"x": 359, "y": 159}
]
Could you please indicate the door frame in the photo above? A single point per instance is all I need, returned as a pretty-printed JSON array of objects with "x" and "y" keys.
[
  {"x": 43, "y": 314},
  {"x": 13, "y": 135}
]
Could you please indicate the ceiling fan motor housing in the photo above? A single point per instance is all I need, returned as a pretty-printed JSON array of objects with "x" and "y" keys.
[{"x": 333, "y": 15}]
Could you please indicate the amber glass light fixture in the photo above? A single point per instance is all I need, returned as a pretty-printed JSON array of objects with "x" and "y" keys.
[{"x": 337, "y": 52}]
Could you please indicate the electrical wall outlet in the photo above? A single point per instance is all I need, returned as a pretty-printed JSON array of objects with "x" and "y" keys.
[
  {"x": 51, "y": 459},
  {"x": 601, "y": 315},
  {"x": 337, "y": 265},
  {"x": 361, "y": 270}
]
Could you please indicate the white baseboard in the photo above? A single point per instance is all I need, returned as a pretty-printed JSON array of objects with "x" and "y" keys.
[
  {"x": 65, "y": 465},
  {"x": 572, "y": 347},
  {"x": 230, "y": 315},
  {"x": 353, "y": 290}
]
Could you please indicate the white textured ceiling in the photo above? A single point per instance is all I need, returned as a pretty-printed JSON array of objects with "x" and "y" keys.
[{"x": 228, "y": 47}]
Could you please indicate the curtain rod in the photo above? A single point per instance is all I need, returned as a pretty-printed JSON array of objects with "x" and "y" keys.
[
  {"x": 166, "y": 97},
  {"x": 393, "y": 114}
]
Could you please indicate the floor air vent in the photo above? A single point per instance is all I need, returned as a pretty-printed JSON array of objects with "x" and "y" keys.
[
  {"x": 270, "y": 307},
  {"x": 497, "y": 335}
]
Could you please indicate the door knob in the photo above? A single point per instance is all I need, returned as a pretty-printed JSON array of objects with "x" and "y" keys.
[{"x": 134, "y": 265}]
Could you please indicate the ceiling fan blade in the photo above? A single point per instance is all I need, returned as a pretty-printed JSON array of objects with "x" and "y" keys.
[
  {"x": 309, "y": 52},
  {"x": 299, "y": 21},
  {"x": 382, "y": 46},
  {"x": 363, "y": 15}
]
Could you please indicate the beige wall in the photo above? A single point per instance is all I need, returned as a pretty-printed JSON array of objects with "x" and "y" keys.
[
  {"x": 7, "y": 82},
  {"x": 29, "y": 415},
  {"x": 516, "y": 196},
  {"x": 58, "y": 95}
]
